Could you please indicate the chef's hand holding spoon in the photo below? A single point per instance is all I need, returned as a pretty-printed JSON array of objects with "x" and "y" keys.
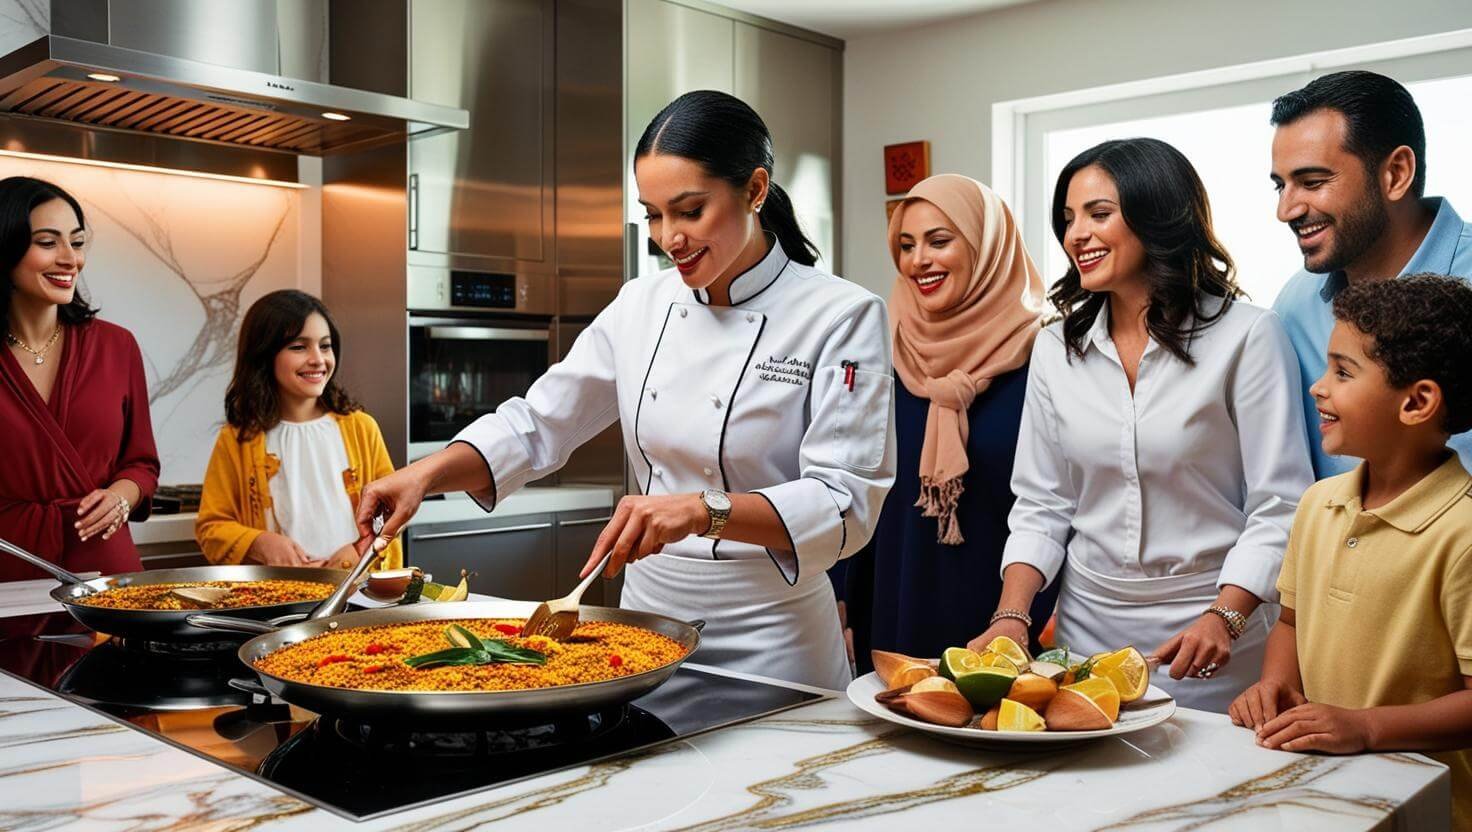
[
  {"x": 642, "y": 525},
  {"x": 457, "y": 467}
]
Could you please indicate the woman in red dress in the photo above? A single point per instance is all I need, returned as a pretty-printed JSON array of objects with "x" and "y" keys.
[{"x": 79, "y": 455}]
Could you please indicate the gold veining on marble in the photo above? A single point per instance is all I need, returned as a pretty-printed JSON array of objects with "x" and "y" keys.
[
  {"x": 213, "y": 804},
  {"x": 1284, "y": 787},
  {"x": 15, "y": 741},
  {"x": 778, "y": 794},
  {"x": 595, "y": 777}
]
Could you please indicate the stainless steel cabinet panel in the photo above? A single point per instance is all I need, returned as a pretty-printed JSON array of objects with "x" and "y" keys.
[
  {"x": 484, "y": 195},
  {"x": 795, "y": 85},
  {"x": 513, "y": 556},
  {"x": 590, "y": 164},
  {"x": 577, "y": 531}
]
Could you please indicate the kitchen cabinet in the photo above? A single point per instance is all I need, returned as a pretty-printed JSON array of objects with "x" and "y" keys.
[
  {"x": 792, "y": 78},
  {"x": 482, "y": 198},
  {"x": 795, "y": 85},
  {"x": 528, "y": 557},
  {"x": 513, "y": 557}
]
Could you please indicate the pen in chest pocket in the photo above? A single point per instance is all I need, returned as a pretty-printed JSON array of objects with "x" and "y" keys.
[{"x": 850, "y": 368}]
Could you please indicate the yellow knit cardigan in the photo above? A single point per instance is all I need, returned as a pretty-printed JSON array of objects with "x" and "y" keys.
[{"x": 236, "y": 497}]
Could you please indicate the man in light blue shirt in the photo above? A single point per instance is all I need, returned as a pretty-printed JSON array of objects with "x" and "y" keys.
[{"x": 1349, "y": 165}]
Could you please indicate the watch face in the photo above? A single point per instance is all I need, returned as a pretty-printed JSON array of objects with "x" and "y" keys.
[{"x": 717, "y": 500}]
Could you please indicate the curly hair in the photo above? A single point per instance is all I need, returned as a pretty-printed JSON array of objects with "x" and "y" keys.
[
  {"x": 252, "y": 401},
  {"x": 1164, "y": 203},
  {"x": 1421, "y": 327}
]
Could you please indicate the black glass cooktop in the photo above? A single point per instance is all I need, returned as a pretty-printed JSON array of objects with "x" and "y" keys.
[{"x": 184, "y": 697}]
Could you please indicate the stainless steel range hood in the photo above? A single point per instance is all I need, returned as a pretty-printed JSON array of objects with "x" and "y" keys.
[{"x": 98, "y": 85}]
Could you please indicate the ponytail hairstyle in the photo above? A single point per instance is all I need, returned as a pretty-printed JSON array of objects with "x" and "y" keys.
[
  {"x": 729, "y": 140},
  {"x": 252, "y": 401},
  {"x": 19, "y": 196},
  {"x": 1163, "y": 201}
]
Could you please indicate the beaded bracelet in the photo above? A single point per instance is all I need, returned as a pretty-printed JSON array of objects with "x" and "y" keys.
[{"x": 1011, "y": 613}]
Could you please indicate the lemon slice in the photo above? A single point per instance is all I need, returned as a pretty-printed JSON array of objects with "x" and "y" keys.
[
  {"x": 991, "y": 659},
  {"x": 958, "y": 660},
  {"x": 1101, "y": 692},
  {"x": 1009, "y": 648},
  {"x": 1015, "y": 716},
  {"x": 1127, "y": 670}
]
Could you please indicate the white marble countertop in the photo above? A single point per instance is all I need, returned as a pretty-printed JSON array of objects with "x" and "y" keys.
[
  {"x": 820, "y": 766},
  {"x": 172, "y": 528}
]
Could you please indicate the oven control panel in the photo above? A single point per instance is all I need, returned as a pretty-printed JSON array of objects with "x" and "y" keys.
[{"x": 483, "y": 291}]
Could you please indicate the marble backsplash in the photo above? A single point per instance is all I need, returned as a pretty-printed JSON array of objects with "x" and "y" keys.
[{"x": 177, "y": 260}]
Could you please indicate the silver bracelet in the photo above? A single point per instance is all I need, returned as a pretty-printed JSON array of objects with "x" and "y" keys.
[{"x": 1011, "y": 613}]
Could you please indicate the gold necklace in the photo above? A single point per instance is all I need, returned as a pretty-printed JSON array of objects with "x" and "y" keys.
[{"x": 41, "y": 353}]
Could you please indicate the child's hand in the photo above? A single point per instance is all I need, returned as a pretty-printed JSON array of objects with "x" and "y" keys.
[
  {"x": 1315, "y": 727},
  {"x": 1261, "y": 703}
]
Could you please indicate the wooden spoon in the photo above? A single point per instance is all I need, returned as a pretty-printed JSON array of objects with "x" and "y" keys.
[
  {"x": 201, "y": 596},
  {"x": 557, "y": 619}
]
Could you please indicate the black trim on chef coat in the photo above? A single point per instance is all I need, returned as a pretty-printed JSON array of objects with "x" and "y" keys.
[
  {"x": 644, "y": 391},
  {"x": 731, "y": 405}
]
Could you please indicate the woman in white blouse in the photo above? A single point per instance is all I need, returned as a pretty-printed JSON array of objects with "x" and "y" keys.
[
  {"x": 755, "y": 399},
  {"x": 1161, "y": 455}
]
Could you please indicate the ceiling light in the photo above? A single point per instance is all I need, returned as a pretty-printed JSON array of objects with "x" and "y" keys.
[
  {"x": 103, "y": 76},
  {"x": 337, "y": 116}
]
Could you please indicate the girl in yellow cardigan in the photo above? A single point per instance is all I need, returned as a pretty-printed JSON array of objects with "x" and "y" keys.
[{"x": 283, "y": 482}]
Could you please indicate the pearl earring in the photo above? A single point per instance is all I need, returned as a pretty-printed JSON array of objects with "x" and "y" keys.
[{"x": 758, "y": 208}]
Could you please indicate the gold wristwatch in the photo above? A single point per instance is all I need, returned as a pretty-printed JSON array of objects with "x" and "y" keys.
[{"x": 718, "y": 503}]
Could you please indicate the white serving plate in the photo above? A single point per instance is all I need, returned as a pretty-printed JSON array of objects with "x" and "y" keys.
[{"x": 1155, "y": 707}]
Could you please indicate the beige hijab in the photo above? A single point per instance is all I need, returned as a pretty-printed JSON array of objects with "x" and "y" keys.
[{"x": 950, "y": 357}]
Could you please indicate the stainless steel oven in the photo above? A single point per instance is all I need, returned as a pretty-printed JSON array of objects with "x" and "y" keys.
[{"x": 476, "y": 339}]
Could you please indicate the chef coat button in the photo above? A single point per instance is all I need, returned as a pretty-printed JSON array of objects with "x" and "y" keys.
[
  {"x": 709, "y": 472},
  {"x": 684, "y": 311},
  {"x": 659, "y": 472},
  {"x": 1352, "y": 542},
  {"x": 653, "y": 394},
  {"x": 750, "y": 317},
  {"x": 715, "y": 400}
]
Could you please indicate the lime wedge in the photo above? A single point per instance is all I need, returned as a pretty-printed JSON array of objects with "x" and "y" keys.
[
  {"x": 957, "y": 660},
  {"x": 985, "y": 687}
]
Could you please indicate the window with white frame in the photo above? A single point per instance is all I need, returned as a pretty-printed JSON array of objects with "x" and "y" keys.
[{"x": 1223, "y": 129}]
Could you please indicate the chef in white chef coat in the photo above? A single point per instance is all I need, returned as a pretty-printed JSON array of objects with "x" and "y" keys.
[{"x": 755, "y": 399}]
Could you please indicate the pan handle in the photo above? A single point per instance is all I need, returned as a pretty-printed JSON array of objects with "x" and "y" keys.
[
  {"x": 234, "y": 625},
  {"x": 40, "y": 563},
  {"x": 698, "y": 624},
  {"x": 249, "y": 686},
  {"x": 338, "y": 600}
]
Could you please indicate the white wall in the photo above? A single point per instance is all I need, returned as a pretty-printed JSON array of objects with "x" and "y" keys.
[{"x": 939, "y": 82}]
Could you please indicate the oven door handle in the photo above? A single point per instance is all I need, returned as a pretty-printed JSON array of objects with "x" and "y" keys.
[{"x": 487, "y": 333}]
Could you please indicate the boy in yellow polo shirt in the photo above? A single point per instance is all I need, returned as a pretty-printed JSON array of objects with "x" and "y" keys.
[{"x": 1373, "y": 651}]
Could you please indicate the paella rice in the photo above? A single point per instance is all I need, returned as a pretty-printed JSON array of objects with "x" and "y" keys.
[
  {"x": 242, "y": 594},
  {"x": 372, "y": 658}
]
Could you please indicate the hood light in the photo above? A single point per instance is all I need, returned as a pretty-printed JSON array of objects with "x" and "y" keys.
[{"x": 337, "y": 116}]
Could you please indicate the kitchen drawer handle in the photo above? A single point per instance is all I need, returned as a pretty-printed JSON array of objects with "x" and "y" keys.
[
  {"x": 590, "y": 521},
  {"x": 530, "y": 527}
]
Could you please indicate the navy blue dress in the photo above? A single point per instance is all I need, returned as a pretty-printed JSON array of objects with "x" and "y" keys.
[{"x": 906, "y": 591}]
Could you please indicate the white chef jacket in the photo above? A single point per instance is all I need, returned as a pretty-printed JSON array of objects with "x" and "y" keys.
[
  {"x": 753, "y": 397},
  {"x": 1150, "y": 502}
]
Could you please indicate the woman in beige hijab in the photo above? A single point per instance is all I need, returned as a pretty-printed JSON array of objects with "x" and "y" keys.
[{"x": 965, "y": 308}]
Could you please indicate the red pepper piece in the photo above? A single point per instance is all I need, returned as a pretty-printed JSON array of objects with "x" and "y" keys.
[
  {"x": 332, "y": 659},
  {"x": 374, "y": 649},
  {"x": 615, "y": 660},
  {"x": 374, "y": 668},
  {"x": 508, "y": 629}
]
